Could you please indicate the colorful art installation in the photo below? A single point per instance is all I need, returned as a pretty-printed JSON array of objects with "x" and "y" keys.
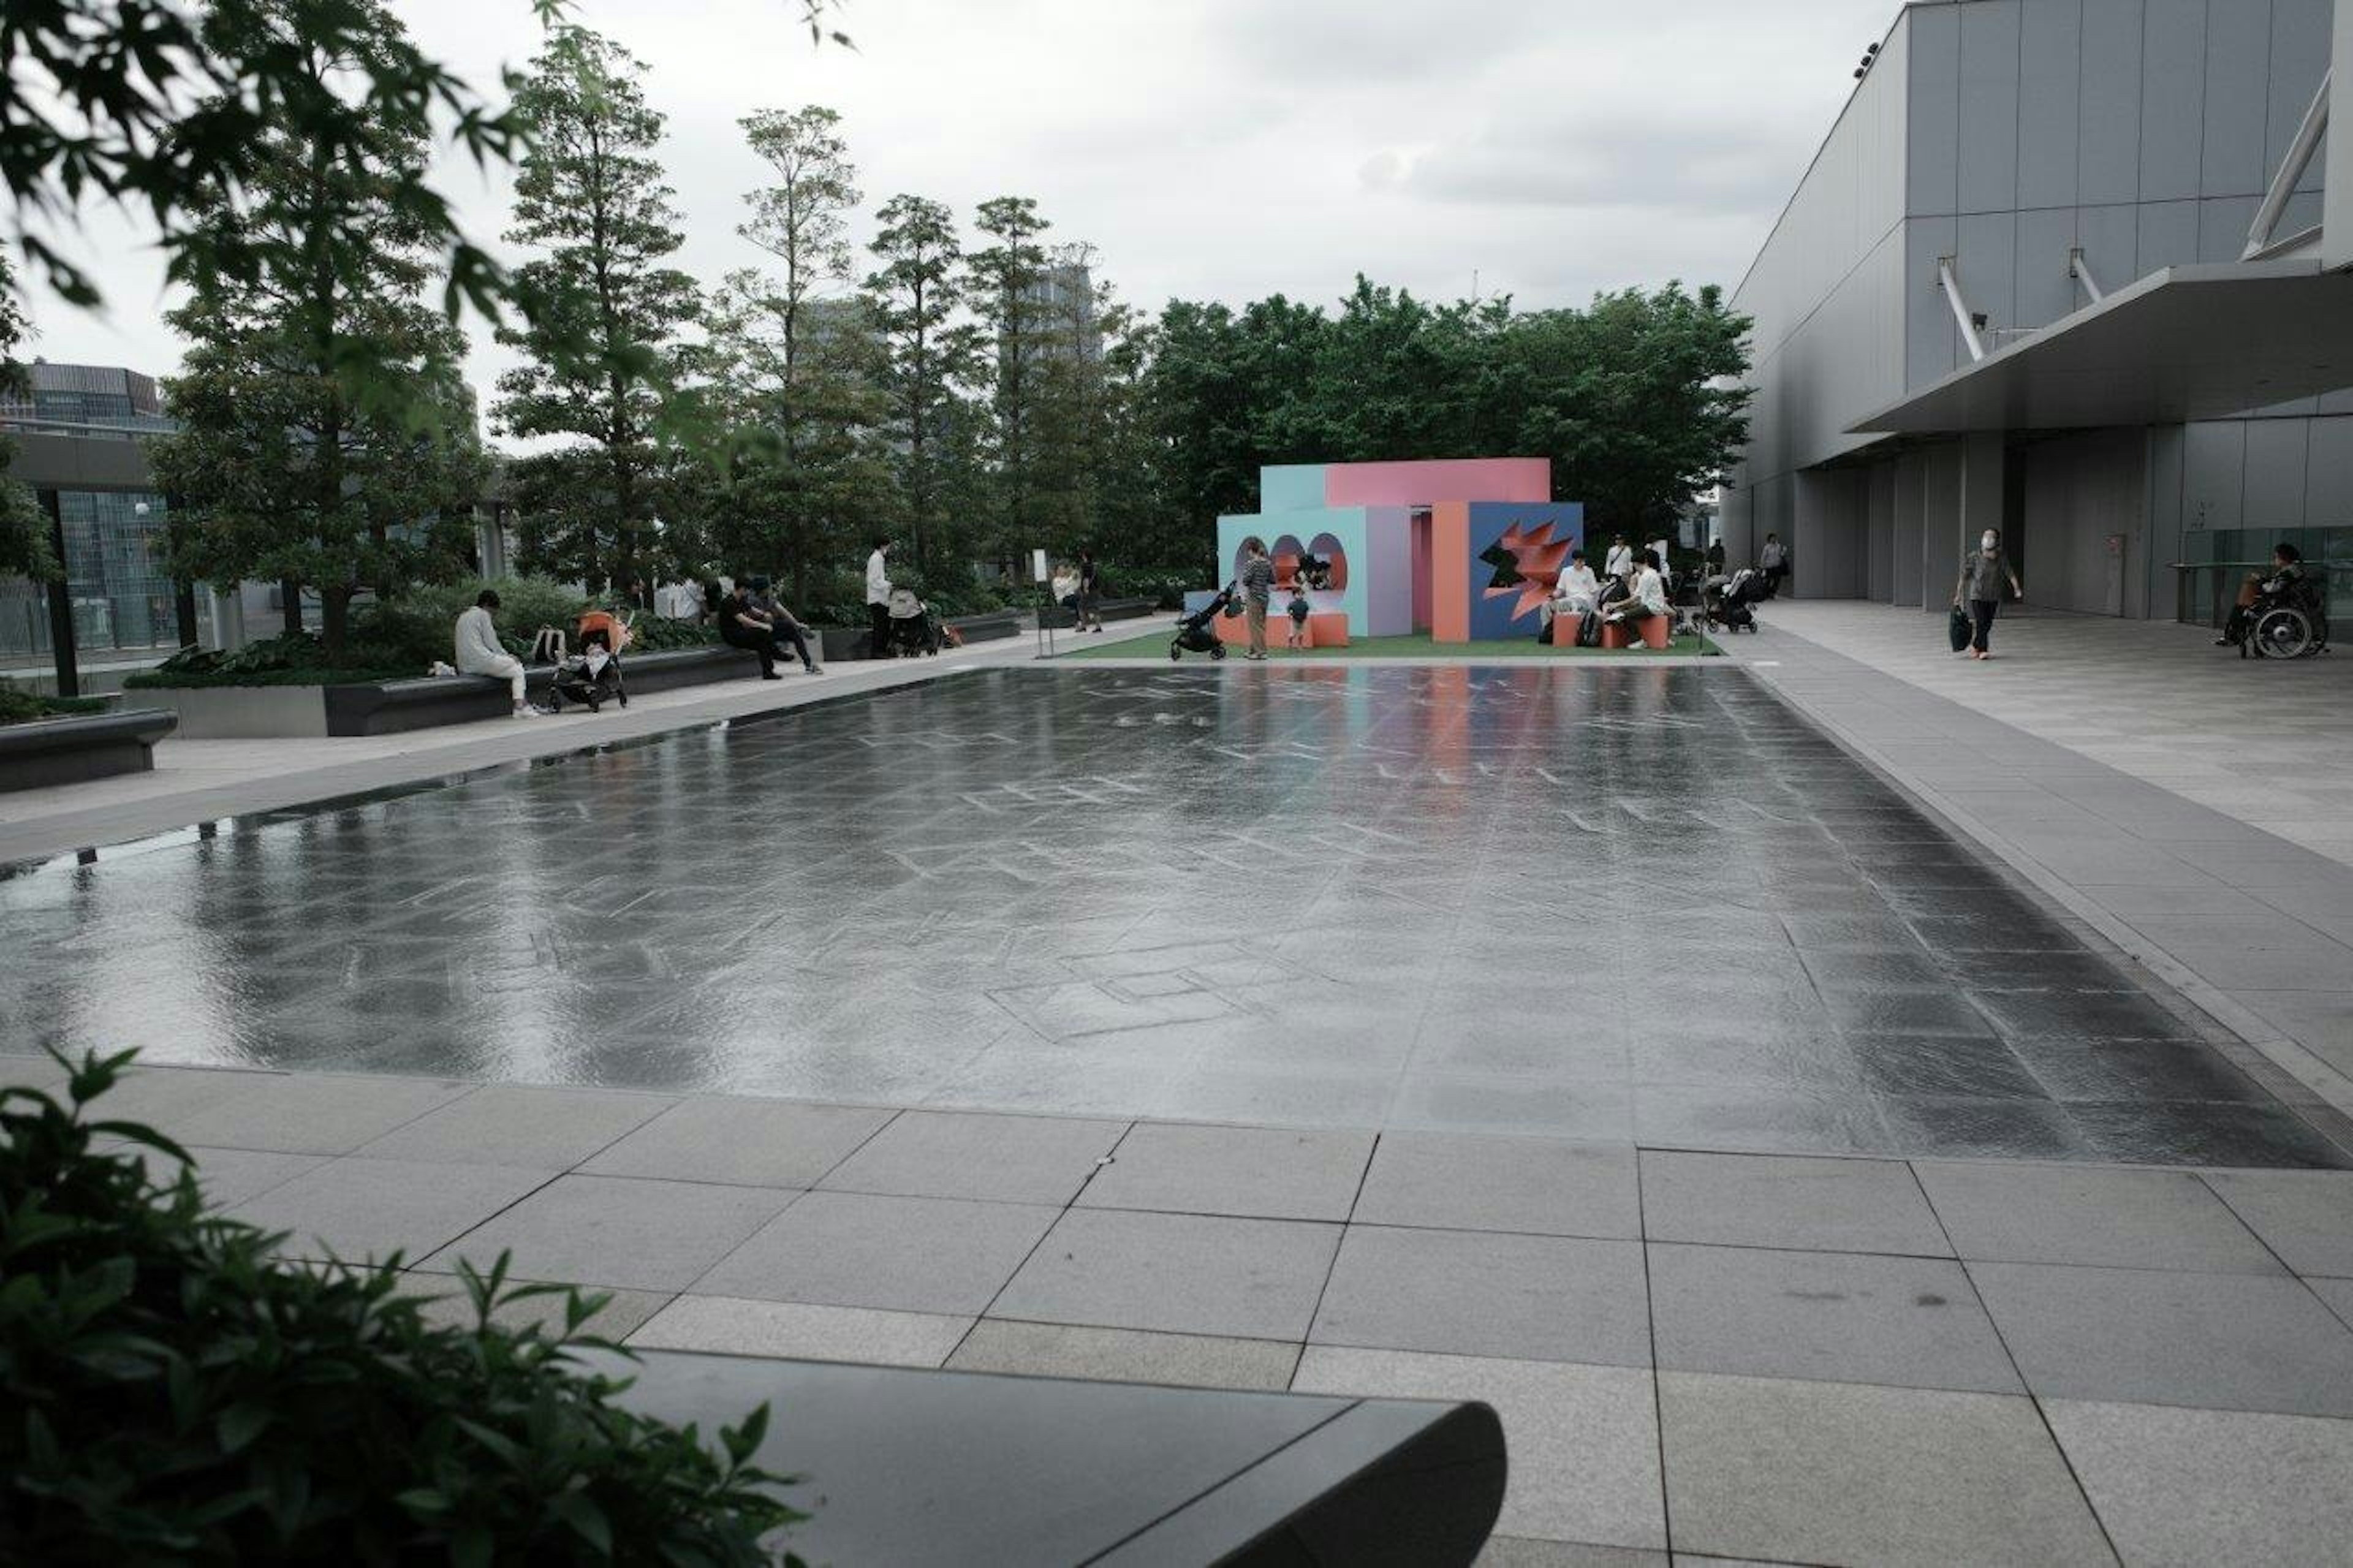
[{"x": 1466, "y": 548}]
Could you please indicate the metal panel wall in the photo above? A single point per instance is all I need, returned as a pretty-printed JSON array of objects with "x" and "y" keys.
[
  {"x": 2213, "y": 474},
  {"x": 1988, "y": 172},
  {"x": 2043, "y": 291},
  {"x": 2168, "y": 237},
  {"x": 2049, "y": 66},
  {"x": 2238, "y": 100},
  {"x": 2328, "y": 474},
  {"x": 2278, "y": 455},
  {"x": 2173, "y": 98},
  {"x": 1932, "y": 152},
  {"x": 2108, "y": 162}
]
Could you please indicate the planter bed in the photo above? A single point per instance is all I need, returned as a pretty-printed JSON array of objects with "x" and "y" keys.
[
  {"x": 914, "y": 1468},
  {"x": 844, "y": 644},
  {"x": 392, "y": 707},
  {"x": 68, "y": 751}
]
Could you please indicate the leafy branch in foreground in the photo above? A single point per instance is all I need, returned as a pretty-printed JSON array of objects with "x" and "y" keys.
[{"x": 168, "y": 1390}]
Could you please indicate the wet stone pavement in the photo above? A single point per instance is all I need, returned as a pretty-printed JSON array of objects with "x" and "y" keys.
[{"x": 1624, "y": 905}]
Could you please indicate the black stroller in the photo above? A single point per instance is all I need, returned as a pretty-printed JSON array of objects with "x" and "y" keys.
[
  {"x": 1730, "y": 605},
  {"x": 913, "y": 628},
  {"x": 592, "y": 677},
  {"x": 1195, "y": 633}
]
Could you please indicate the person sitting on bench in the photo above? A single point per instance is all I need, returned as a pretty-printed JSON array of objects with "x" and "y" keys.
[{"x": 1648, "y": 597}]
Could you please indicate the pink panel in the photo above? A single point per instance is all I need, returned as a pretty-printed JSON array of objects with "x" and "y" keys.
[{"x": 1453, "y": 479}]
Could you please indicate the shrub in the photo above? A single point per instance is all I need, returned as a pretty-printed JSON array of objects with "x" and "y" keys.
[
  {"x": 169, "y": 1392},
  {"x": 419, "y": 624},
  {"x": 23, "y": 707},
  {"x": 290, "y": 658}
]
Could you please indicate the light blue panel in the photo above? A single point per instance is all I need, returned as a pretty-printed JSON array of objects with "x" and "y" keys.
[
  {"x": 1932, "y": 152},
  {"x": 2168, "y": 236},
  {"x": 2300, "y": 47},
  {"x": 2329, "y": 476},
  {"x": 2048, "y": 69},
  {"x": 1290, "y": 486},
  {"x": 1987, "y": 178},
  {"x": 2173, "y": 99},
  {"x": 1389, "y": 574},
  {"x": 2213, "y": 474},
  {"x": 2222, "y": 227},
  {"x": 2044, "y": 291},
  {"x": 2107, "y": 156},
  {"x": 2238, "y": 98},
  {"x": 1930, "y": 341},
  {"x": 2110, "y": 236},
  {"x": 2277, "y": 459},
  {"x": 1988, "y": 270},
  {"x": 1346, "y": 525}
]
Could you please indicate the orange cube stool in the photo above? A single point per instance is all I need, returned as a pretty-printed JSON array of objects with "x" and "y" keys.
[
  {"x": 1565, "y": 627},
  {"x": 1654, "y": 633}
]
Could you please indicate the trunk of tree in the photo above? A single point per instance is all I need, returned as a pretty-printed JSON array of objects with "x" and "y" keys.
[
  {"x": 290, "y": 610},
  {"x": 335, "y": 619}
]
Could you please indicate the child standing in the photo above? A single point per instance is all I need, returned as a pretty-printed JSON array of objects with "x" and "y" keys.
[{"x": 1297, "y": 636}]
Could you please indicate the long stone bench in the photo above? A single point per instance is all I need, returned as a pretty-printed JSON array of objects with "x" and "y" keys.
[
  {"x": 843, "y": 643},
  {"x": 916, "y": 1467},
  {"x": 1129, "y": 609},
  {"x": 68, "y": 751},
  {"x": 392, "y": 707}
]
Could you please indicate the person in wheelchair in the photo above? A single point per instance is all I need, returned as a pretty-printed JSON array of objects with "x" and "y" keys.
[{"x": 2283, "y": 615}]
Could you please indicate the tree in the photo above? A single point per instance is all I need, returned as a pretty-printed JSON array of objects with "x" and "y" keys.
[
  {"x": 24, "y": 527},
  {"x": 602, "y": 346},
  {"x": 150, "y": 106},
  {"x": 281, "y": 473},
  {"x": 800, "y": 356},
  {"x": 1005, "y": 287},
  {"x": 915, "y": 297}
]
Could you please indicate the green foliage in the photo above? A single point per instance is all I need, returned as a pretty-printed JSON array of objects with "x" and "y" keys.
[
  {"x": 281, "y": 473},
  {"x": 172, "y": 1394},
  {"x": 602, "y": 349},
  {"x": 23, "y": 707},
  {"x": 419, "y": 625},
  {"x": 1631, "y": 398},
  {"x": 929, "y": 356},
  {"x": 25, "y": 549},
  {"x": 292, "y": 658}
]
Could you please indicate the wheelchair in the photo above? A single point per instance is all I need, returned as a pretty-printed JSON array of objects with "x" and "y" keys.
[{"x": 2289, "y": 621}]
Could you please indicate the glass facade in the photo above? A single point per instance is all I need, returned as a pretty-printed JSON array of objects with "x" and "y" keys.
[
  {"x": 2220, "y": 558},
  {"x": 121, "y": 600}
]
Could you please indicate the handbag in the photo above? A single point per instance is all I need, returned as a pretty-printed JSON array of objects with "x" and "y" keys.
[
  {"x": 547, "y": 647},
  {"x": 1958, "y": 628}
]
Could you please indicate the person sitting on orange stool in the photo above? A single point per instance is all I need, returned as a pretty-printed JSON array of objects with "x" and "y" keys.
[{"x": 1648, "y": 599}]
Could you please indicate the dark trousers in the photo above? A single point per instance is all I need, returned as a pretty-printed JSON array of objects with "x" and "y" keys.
[
  {"x": 791, "y": 632},
  {"x": 758, "y": 643},
  {"x": 1981, "y": 612},
  {"x": 877, "y": 631}
]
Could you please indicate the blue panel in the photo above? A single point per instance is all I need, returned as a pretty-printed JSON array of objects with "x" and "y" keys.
[
  {"x": 1290, "y": 486},
  {"x": 1491, "y": 619}
]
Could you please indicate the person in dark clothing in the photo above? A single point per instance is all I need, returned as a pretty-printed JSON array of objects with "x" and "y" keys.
[
  {"x": 781, "y": 624},
  {"x": 1983, "y": 572},
  {"x": 1090, "y": 590},
  {"x": 741, "y": 625},
  {"x": 2288, "y": 569}
]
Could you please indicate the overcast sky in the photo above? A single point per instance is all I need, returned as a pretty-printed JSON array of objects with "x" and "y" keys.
[{"x": 1212, "y": 149}]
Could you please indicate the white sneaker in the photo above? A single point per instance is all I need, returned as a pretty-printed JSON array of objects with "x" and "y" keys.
[
  {"x": 525, "y": 711},
  {"x": 817, "y": 670}
]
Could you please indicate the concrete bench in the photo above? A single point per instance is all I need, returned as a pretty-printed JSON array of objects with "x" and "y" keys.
[
  {"x": 1127, "y": 609},
  {"x": 917, "y": 1468},
  {"x": 68, "y": 751},
  {"x": 394, "y": 707}
]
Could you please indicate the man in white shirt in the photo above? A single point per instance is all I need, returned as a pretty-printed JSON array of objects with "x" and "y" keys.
[
  {"x": 877, "y": 601},
  {"x": 1577, "y": 592},
  {"x": 479, "y": 651},
  {"x": 1648, "y": 597},
  {"x": 1621, "y": 562}
]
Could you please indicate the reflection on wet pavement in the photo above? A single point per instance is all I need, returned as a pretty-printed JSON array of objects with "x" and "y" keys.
[{"x": 1605, "y": 903}]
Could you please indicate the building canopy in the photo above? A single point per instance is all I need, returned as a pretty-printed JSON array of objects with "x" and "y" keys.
[{"x": 2188, "y": 342}]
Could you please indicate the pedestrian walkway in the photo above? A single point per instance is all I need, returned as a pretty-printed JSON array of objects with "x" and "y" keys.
[
  {"x": 2194, "y": 880},
  {"x": 1759, "y": 1357}
]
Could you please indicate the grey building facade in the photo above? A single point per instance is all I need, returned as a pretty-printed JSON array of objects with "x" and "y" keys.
[{"x": 2002, "y": 297}]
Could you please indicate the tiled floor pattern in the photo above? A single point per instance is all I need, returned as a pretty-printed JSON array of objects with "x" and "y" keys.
[
  {"x": 1755, "y": 1357},
  {"x": 1612, "y": 905}
]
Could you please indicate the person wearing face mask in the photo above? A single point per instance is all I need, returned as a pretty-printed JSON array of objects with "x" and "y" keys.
[{"x": 1983, "y": 572}]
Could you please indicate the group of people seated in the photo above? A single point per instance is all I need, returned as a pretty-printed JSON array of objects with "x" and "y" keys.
[
  {"x": 1630, "y": 589},
  {"x": 751, "y": 616}
]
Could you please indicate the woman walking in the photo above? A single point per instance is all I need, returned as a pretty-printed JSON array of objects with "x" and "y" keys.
[
  {"x": 1258, "y": 588},
  {"x": 1982, "y": 575}
]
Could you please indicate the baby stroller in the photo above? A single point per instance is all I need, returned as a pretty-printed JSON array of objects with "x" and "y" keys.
[
  {"x": 913, "y": 628},
  {"x": 1729, "y": 607},
  {"x": 592, "y": 677},
  {"x": 1193, "y": 632}
]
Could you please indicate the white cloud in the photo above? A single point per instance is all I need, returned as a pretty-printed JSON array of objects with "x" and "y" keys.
[{"x": 1221, "y": 149}]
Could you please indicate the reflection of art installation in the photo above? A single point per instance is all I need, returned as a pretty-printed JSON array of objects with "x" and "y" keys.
[{"x": 1467, "y": 548}]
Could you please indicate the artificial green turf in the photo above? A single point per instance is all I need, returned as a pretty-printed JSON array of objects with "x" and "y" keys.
[{"x": 1417, "y": 646}]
